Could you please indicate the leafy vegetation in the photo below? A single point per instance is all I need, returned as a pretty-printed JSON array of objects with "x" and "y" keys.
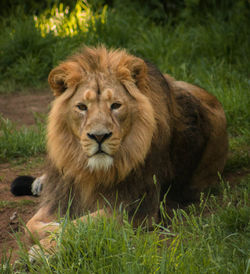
[{"x": 203, "y": 42}]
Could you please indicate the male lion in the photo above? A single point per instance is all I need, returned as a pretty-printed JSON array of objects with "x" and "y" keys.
[{"x": 116, "y": 122}]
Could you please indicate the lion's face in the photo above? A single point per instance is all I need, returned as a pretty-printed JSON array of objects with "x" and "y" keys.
[
  {"x": 100, "y": 115},
  {"x": 102, "y": 122}
]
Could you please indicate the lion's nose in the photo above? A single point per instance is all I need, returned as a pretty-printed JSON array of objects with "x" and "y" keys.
[{"x": 99, "y": 138}]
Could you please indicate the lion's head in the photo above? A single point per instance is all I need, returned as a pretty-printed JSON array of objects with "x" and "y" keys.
[{"x": 103, "y": 120}]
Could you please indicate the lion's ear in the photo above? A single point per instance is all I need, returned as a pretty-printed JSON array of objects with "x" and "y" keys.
[
  {"x": 138, "y": 70},
  {"x": 57, "y": 81},
  {"x": 64, "y": 76}
]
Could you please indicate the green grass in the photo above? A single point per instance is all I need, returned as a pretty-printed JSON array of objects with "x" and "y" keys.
[
  {"x": 20, "y": 142},
  {"x": 15, "y": 204},
  {"x": 239, "y": 151},
  {"x": 210, "y": 237}
]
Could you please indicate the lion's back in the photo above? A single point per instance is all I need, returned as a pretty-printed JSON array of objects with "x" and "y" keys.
[{"x": 199, "y": 146}]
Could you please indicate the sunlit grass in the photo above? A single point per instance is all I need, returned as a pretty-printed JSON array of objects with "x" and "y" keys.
[{"x": 61, "y": 21}]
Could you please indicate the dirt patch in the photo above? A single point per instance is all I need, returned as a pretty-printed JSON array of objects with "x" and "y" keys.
[
  {"x": 20, "y": 108},
  {"x": 14, "y": 211}
]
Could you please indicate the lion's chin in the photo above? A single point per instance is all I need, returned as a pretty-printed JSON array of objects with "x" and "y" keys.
[{"x": 100, "y": 161}]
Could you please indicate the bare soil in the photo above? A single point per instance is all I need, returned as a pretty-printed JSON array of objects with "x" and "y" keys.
[{"x": 20, "y": 108}]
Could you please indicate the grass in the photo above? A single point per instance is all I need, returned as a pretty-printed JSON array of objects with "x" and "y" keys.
[
  {"x": 210, "y": 237},
  {"x": 239, "y": 152},
  {"x": 15, "y": 204},
  {"x": 210, "y": 50},
  {"x": 22, "y": 142}
]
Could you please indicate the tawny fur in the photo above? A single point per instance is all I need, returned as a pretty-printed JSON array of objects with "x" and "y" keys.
[{"x": 165, "y": 128}]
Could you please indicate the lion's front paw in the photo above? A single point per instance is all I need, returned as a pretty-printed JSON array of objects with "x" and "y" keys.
[{"x": 45, "y": 248}]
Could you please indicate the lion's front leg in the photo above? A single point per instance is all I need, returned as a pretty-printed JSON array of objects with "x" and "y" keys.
[
  {"x": 41, "y": 225},
  {"x": 47, "y": 245},
  {"x": 95, "y": 215}
]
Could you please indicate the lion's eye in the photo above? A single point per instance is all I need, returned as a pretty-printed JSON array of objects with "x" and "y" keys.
[
  {"x": 82, "y": 107},
  {"x": 115, "y": 106}
]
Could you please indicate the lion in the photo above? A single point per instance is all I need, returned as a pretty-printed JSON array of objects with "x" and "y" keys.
[{"x": 121, "y": 131}]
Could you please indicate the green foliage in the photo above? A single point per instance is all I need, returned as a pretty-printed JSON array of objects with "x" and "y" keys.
[
  {"x": 20, "y": 142},
  {"x": 30, "y": 45},
  {"x": 195, "y": 242},
  {"x": 24, "y": 55},
  {"x": 239, "y": 153},
  {"x": 29, "y": 6},
  {"x": 61, "y": 21},
  {"x": 209, "y": 51}
]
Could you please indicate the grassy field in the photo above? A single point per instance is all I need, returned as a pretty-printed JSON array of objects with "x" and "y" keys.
[{"x": 208, "y": 48}]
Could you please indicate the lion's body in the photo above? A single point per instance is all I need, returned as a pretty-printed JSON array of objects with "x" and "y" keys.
[{"x": 149, "y": 125}]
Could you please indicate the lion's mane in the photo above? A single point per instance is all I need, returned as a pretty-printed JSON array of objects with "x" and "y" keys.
[{"x": 171, "y": 139}]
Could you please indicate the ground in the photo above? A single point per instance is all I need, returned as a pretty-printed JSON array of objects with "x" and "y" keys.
[
  {"x": 19, "y": 108},
  {"x": 15, "y": 211}
]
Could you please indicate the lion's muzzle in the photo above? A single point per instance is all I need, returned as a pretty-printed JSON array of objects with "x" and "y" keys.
[
  {"x": 99, "y": 138},
  {"x": 99, "y": 157}
]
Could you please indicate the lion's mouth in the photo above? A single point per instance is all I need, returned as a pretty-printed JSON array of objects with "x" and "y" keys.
[{"x": 100, "y": 151}]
